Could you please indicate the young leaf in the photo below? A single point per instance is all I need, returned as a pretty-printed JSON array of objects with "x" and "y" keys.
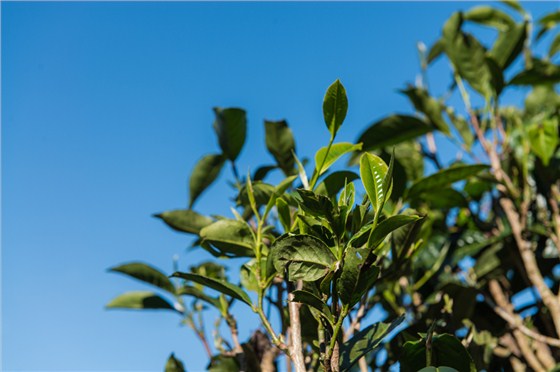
[
  {"x": 147, "y": 274},
  {"x": 140, "y": 300},
  {"x": 230, "y": 236},
  {"x": 184, "y": 220},
  {"x": 381, "y": 231},
  {"x": 325, "y": 160},
  {"x": 444, "y": 178},
  {"x": 373, "y": 170},
  {"x": 392, "y": 130},
  {"x": 543, "y": 138},
  {"x": 304, "y": 256},
  {"x": 219, "y": 285},
  {"x": 204, "y": 174},
  {"x": 231, "y": 127},
  {"x": 335, "y": 106},
  {"x": 280, "y": 143},
  {"x": 365, "y": 341},
  {"x": 429, "y": 106},
  {"x": 489, "y": 16},
  {"x": 174, "y": 365}
]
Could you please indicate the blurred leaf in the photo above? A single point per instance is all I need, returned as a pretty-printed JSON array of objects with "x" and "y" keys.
[
  {"x": 247, "y": 275},
  {"x": 381, "y": 231},
  {"x": 188, "y": 290},
  {"x": 262, "y": 172},
  {"x": 463, "y": 127},
  {"x": 261, "y": 192},
  {"x": 509, "y": 45},
  {"x": 147, "y": 274},
  {"x": 174, "y": 365},
  {"x": 231, "y": 127},
  {"x": 365, "y": 341},
  {"x": 543, "y": 138},
  {"x": 184, "y": 220},
  {"x": 429, "y": 106},
  {"x": 444, "y": 178},
  {"x": 515, "y": 5},
  {"x": 334, "y": 182},
  {"x": 219, "y": 285},
  {"x": 467, "y": 55},
  {"x": 355, "y": 279},
  {"x": 223, "y": 363},
  {"x": 304, "y": 256},
  {"x": 542, "y": 99},
  {"x": 393, "y": 130},
  {"x": 554, "y": 46},
  {"x": 445, "y": 198},
  {"x": 373, "y": 171},
  {"x": 141, "y": 300},
  {"x": 324, "y": 159},
  {"x": 541, "y": 72},
  {"x": 204, "y": 174},
  {"x": 446, "y": 350},
  {"x": 280, "y": 143},
  {"x": 489, "y": 16},
  {"x": 335, "y": 106},
  {"x": 435, "y": 51},
  {"x": 230, "y": 236},
  {"x": 315, "y": 302}
]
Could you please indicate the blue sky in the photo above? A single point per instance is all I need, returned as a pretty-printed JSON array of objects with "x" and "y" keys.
[{"x": 106, "y": 108}]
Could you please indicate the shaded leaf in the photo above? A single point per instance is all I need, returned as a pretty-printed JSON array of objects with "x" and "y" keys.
[
  {"x": 230, "y": 236},
  {"x": 541, "y": 72},
  {"x": 335, "y": 106},
  {"x": 304, "y": 256},
  {"x": 174, "y": 365},
  {"x": 554, "y": 46},
  {"x": 280, "y": 143},
  {"x": 315, "y": 302},
  {"x": 381, "y": 231},
  {"x": 188, "y": 290},
  {"x": 509, "y": 45},
  {"x": 231, "y": 127},
  {"x": 446, "y": 350},
  {"x": 204, "y": 174},
  {"x": 393, "y": 130},
  {"x": 147, "y": 274},
  {"x": 219, "y": 285},
  {"x": 444, "y": 178},
  {"x": 223, "y": 363},
  {"x": 429, "y": 106},
  {"x": 334, "y": 182},
  {"x": 141, "y": 300},
  {"x": 365, "y": 341},
  {"x": 184, "y": 220}
]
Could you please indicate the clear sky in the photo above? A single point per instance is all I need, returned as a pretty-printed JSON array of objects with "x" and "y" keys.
[{"x": 106, "y": 108}]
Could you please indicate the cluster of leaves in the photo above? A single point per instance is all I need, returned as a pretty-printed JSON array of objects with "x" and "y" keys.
[{"x": 442, "y": 255}]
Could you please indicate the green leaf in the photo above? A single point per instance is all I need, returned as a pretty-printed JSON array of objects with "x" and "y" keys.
[
  {"x": 446, "y": 350},
  {"x": 247, "y": 275},
  {"x": 334, "y": 182},
  {"x": 231, "y": 127},
  {"x": 444, "y": 198},
  {"x": 392, "y": 130},
  {"x": 489, "y": 16},
  {"x": 325, "y": 160},
  {"x": 280, "y": 143},
  {"x": 509, "y": 45},
  {"x": 147, "y": 274},
  {"x": 541, "y": 72},
  {"x": 444, "y": 178},
  {"x": 304, "y": 256},
  {"x": 515, "y": 5},
  {"x": 543, "y": 138},
  {"x": 335, "y": 106},
  {"x": 315, "y": 302},
  {"x": 141, "y": 300},
  {"x": 219, "y": 285},
  {"x": 204, "y": 174},
  {"x": 230, "y": 236},
  {"x": 188, "y": 290},
  {"x": 429, "y": 106},
  {"x": 365, "y": 341},
  {"x": 355, "y": 279},
  {"x": 381, "y": 231},
  {"x": 554, "y": 46},
  {"x": 223, "y": 363},
  {"x": 284, "y": 214},
  {"x": 184, "y": 220},
  {"x": 373, "y": 171},
  {"x": 174, "y": 365},
  {"x": 261, "y": 192},
  {"x": 436, "y": 50},
  {"x": 467, "y": 55},
  {"x": 463, "y": 127}
]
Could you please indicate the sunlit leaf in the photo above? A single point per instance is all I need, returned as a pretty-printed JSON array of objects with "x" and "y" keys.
[
  {"x": 140, "y": 300},
  {"x": 335, "y": 106},
  {"x": 204, "y": 174},
  {"x": 324, "y": 160},
  {"x": 174, "y": 365},
  {"x": 543, "y": 138},
  {"x": 184, "y": 220},
  {"x": 489, "y": 16},
  {"x": 373, "y": 171},
  {"x": 147, "y": 274},
  {"x": 230, "y": 236}
]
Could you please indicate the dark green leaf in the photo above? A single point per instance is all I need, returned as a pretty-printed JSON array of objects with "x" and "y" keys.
[
  {"x": 230, "y": 236},
  {"x": 261, "y": 192},
  {"x": 204, "y": 174},
  {"x": 446, "y": 350},
  {"x": 262, "y": 172},
  {"x": 325, "y": 160},
  {"x": 387, "y": 226},
  {"x": 509, "y": 45},
  {"x": 393, "y": 130},
  {"x": 543, "y": 138},
  {"x": 445, "y": 198},
  {"x": 223, "y": 363},
  {"x": 489, "y": 16},
  {"x": 174, "y": 365},
  {"x": 554, "y": 46},
  {"x": 335, "y": 106},
  {"x": 365, "y": 341},
  {"x": 541, "y": 72},
  {"x": 463, "y": 127},
  {"x": 280, "y": 143},
  {"x": 184, "y": 220},
  {"x": 219, "y": 285},
  {"x": 435, "y": 51},
  {"x": 444, "y": 178},
  {"x": 141, "y": 300},
  {"x": 231, "y": 127},
  {"x": 334, "y": 182},
  {"x": 355, "y": 279},
  {"x": 429, "y": 106},
  {"x": 147, "y": 274},
  {"x": 315, "y": 302},
  {"x": 188, "y": 290},
  {"x": 304, "y": 256}
]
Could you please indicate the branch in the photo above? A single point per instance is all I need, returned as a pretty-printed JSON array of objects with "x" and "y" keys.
[
  {"x": 296, "y": 347},
  {"x": 237, "y": 349}
]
